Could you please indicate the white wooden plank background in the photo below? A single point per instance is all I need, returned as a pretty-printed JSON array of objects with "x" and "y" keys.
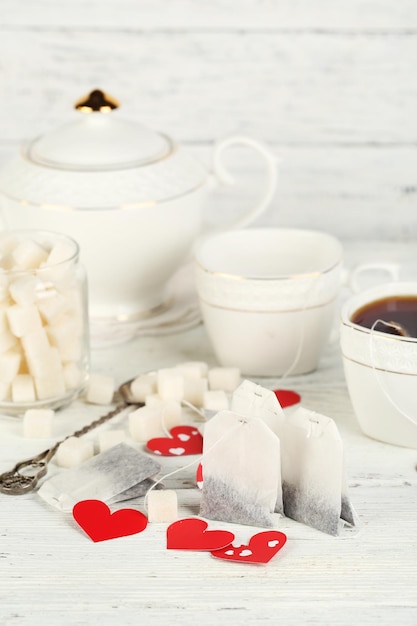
[{"x": 331, "y": 87}]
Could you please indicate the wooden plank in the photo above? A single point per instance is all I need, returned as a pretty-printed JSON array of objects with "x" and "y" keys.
[
  {"x": 286, "y": 89},
  {"x": 211, "y": 14}
]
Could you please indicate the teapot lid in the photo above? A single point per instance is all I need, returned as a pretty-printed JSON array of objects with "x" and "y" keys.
[{"x": 99, "y": 140}]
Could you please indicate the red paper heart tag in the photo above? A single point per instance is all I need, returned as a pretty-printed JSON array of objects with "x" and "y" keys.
[
  {"x": 191, "y": 534},
  {"x": 183, "y": 440},
  {"x": 199, "y": 476},
  {"x": 96, "y": 519},
  {"x": 286, "y": 397},
  {"x": 261, "y": 548}
]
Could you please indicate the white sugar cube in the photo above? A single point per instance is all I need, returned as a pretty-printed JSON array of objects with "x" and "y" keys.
[
  {"x": 9, "y": 365},
  {"x": 35, "y": 343},
  {"x": 100, "y": 389},
  {"x": 142, "y": 386},
  {"x": 45, "y": 363},
  {"x": 7, "y": 341},
  {"x": 7, "y": 244},
  {"x": 65, "y": 336},
  {"x": 194, "y": 389},
  {"x": 38, "y": 423},
  {"x": 170, "y": 384},
  {"x": 224, "y": 378},
  {"x": 23, "y": 389},
  {"x": 153, "y": 400},
  {"x": 72, "y": 375},
  {"x": 145, "y": 423},
  {"x": 109, "y": 438},
  {"x": 4, "y": 284},
  {"x": 170, "y": 413},
  {"x": 73, "y": 451},
  {"x": 215, "y": 400},
  {"x": 23, "y": 319},
  {"x": 162, "y": 506},
  {"x": 24, "y": 289},
  {"x": 5, "y": 394},
  {"x": 60, "y": 253},
  {"x": 193, "y": 369},
  {"x": 29, "y": 255},
  {"x": 52, "y": 305},
  {"x": 51, "y": 386}
]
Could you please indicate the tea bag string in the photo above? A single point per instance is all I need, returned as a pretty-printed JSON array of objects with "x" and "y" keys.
[
  {"x": 375, "y": 371},
  {"x": 227, "y": 433},
  {"x": 300, "y": 345}
]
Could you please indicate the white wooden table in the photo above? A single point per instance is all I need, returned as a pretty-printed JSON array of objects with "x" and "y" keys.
[{"x": 51, "y": 573}]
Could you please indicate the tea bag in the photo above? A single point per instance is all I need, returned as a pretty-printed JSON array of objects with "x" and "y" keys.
[
  {"x": 102, "y": 478},
  {"x": 141, "y": 489},
  {"x": 255, "y": 401},
  {"x": 313, "y": 482},
  {"x": 240, "y": 470}
]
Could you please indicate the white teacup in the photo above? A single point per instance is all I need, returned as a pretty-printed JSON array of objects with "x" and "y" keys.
[
  {"x": 381, "y": 371},
  {"x": 268, "y": 297}
]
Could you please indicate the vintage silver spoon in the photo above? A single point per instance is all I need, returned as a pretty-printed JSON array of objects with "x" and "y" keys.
[{"x": 25, "y": 475}]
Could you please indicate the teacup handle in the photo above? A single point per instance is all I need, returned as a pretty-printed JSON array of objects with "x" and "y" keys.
[
  {"x": 224, "y": 176},
  {"x": 352, "y": 277}
]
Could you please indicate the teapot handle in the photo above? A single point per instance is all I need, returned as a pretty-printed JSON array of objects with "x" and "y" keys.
[{"x": 224, "y": 177}]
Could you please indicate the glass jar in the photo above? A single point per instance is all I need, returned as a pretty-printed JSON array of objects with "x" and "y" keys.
[{"x": 44, "y": 336}]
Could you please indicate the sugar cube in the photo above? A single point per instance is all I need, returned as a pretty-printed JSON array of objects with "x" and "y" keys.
[
  {"x": 23, "y": 389},
  {"x": 142, "y": 386},
  {"x": 51, "y": 386},
  {"x": 23, "y": 319},
  {"x": 29, "y": 255},
  {"x": 35, "y": 343},
  {"x": 170, "y": 414},
  {"x": 60, "y": 253},
  {"x": 193, "y": 369},
  {"x": 224, "y": 378},
  {"x": 9, "y": 365},
  {"x": 100, "y": 389},
  {"x": 73, "y": 451},
  {"x": 52, "y": 305},
  {"x": 145, "y": 423},
  {"x": 109, "y": 438},
  {"x": 162, "y": 506},
  {"x": 216, "y": 400},
  {"x": 170, "y": 384},
  {"x": 72, "y": 375},
  {"x": 7, "y": 341},
  {"x": 194, "y": 389},
  {"x": 5, "y": 395},
  {"x": 38, "y": 423},
  {"x": 24, "y": 289},
  {"x": 153, "y": 400}
]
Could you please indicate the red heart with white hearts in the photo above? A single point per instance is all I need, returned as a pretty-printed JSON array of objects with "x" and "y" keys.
[
  {"x": 260, "y": 549},
  {"x": 183, "y": 440},
  {"x": 100, "y": 524},
  {"x": 191, "y": 534},
  {"x": 286, "y": 397}
]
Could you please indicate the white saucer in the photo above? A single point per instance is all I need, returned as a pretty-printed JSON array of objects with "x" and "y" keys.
[{"x": 181, "y": 313}]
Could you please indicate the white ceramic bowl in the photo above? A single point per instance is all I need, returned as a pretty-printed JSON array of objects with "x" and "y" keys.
[
  {"x": 268, "y": 297},
  {"x": 381, "y": 372}
]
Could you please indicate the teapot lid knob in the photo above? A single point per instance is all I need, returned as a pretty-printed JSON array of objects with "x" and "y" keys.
[{"x": 96, "y": 100}]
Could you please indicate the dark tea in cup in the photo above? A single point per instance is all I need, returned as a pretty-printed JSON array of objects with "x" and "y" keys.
[{"x": 395, "y": 315}]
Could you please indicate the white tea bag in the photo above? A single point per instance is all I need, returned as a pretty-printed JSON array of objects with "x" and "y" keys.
[
  {"x": 255, "y": 401},
  {"x": 240, "y": 470},
  {"x": 101, "y": 478},
  {"x": 313, "y": 471},
  {"x": 141, "y": 489}
]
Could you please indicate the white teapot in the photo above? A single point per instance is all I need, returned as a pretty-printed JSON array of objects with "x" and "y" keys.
[{"x": 131, "y": 197}]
